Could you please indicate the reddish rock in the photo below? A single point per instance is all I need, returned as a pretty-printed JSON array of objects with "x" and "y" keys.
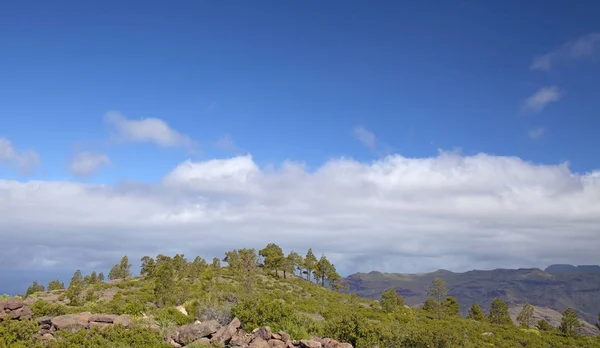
[
  {"x": 13, "y": 304},
  {"x": 273, "y": 343},
  {"x": 258, "y": 342},
  {"x": 343, "y": 345},
  {"x": 22, "y": 313},
  {"x": 226, "y": 332},
  {"x": 310, "y": 344},
  {"x": 264, "y": 333},
  {"x": 44, "y": 320},
  {"x": 240, "y": 339},
  {"x": 285, "y": 337},
  {"x": 103, "y": 318},
  {"x": 124, "y": 320},
  {"x": 72, "y": 322},
  {"x": 192, "y": 332}
]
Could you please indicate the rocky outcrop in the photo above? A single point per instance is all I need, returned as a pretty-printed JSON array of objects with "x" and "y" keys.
[
  {"x": 16, "y": 309},
  {"x": 209, "y": 332}
]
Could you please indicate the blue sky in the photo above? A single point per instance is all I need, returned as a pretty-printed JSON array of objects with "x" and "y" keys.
[
  {"x": 291, "y": 81},
  {"x": 309, "y": 82}
]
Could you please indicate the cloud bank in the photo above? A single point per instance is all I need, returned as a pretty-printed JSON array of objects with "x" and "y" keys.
[{"x": 394, "y": 214}]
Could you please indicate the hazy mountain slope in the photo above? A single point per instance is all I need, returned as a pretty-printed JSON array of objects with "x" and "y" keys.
[{"x": 577, "y": 288}]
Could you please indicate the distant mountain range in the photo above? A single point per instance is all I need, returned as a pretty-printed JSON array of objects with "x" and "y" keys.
[{"x": 557, "y": 287}]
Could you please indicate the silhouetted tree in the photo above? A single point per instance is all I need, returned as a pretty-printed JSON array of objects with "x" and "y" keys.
[
  {"x": 310, "y": 262},
  {"x": 33, "y": 288}
]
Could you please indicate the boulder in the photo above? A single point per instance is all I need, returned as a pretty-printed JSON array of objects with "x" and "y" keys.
[
  {"x": 99, "y": 324},
  {"x": 173, "y": 344},
  {"x": 124, "y": 320},
  {"x": 22, "y": 313},
  {"x": 13, "y": 304},
  {"x": 264, "y": 333},
  {"x": 103, "y": 318},
  {"x": 225, "y": 333},
  {"x": 343, "y": 345},
  {"x": 47, "y": 337},
  {"x": 258, "y": 342},
  {"x": 1, "y": 306},
  {"x": 285, "y": 337},
  {"x": 44, "y": 320},
  {"x": 240, "y": 339},
  {"x": 273, "y": 343},
  {"x": 202, "y": 341},
  {"x": 310, "y": 344},
  {"x": 192, "y": 332},
  {"x": 72, "y": 322}
]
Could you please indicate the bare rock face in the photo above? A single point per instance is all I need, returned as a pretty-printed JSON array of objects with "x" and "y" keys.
[
  {"x": 44, "y": 320},
  {"x": 13, "y": 304},
  {"x": 192, "y": 332},
  {"x": 72, "y": 322},
  {"x": 225, "y": 334}
]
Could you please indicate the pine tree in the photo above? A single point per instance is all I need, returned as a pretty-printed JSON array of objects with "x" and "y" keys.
[
  {"x": 147, "y": 265},
  {"x": 75, "y": 288},
  {"x": 248, "y": 268},
  {"x": 296, "y": 261},
  {"x": 121, "y": 270},
  {"x": 438, "y": 292},
  {"x": 164, "y": 281},
  {"x": 391, "y": 301},
  {"x": 273, "y": 256},
  {"x": 310, "y": 262},
  {"x": 55, "y": 285},
  {"x": 100, "y": 277},
  {"x": 569, "y": 323},
  {"x": 35, "y": 287},
  {"x": 450, "y": 306},
  {"x": 476, "y": 313},
  {"x": 543, "y": 325},
  {"x": 499, "y": 313},
  {"x": 233, "y": 261},
  {"x": 323, "y": 268},
  {"x": 525, "y": 317}
]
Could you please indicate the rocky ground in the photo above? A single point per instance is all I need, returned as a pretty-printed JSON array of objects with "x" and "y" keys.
[{"x": 231, "y": 335}]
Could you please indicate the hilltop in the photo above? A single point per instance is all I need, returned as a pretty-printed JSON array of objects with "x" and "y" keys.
[
  {"x": 249, "y": 295},
  {"x": 557, "y": 288}
]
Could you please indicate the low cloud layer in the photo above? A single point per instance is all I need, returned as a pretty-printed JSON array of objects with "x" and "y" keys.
[
  {"x": 23, "y": 161},
  {"x": 396, "y": 214},
  {"x": 587, "y": 46},
  {"x": 87, "y": 163}
]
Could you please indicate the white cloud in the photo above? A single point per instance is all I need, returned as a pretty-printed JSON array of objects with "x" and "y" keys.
[
  {"x": 580, "y": 48},
  {"x": 537, "y": 133},
  {"x": 540, "y": 99},
  {"x": 366, "y": 137},
  {"x": 23, "y": 160},
  {"x": 87, "y": 163},
  {"x": 152, "y": 130},
  {"x": 394, "y": 214}
]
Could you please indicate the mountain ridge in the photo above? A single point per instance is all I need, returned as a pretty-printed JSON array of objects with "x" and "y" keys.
[{"x": 557, "y": 287}]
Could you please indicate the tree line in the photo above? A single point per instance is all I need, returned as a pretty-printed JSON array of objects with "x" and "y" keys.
[{"x": 441, "y": 306}]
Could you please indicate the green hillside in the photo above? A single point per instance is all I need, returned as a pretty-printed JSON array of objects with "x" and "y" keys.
[
  {"x": 579, "y": 290},
  {"x": 288, "y": 293}
]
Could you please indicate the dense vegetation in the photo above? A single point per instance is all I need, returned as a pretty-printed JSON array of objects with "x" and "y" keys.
[{"x": 303, "y": 296}]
